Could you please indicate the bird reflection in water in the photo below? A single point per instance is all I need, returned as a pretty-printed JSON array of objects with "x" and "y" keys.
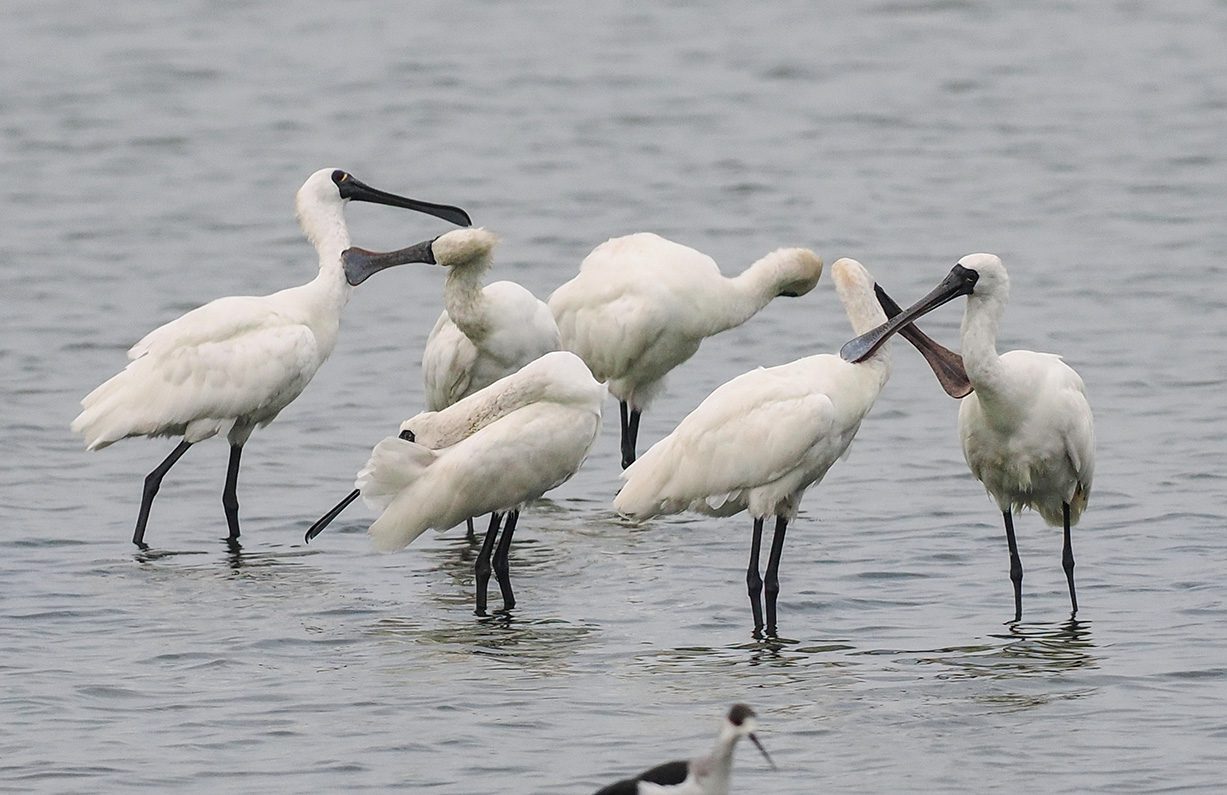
[{"x": 1029, "y": 650}]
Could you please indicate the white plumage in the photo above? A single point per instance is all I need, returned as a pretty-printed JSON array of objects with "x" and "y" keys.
[
  {"x": 760, "y": 440},
  {"x": 1027, "y": 431},
  {"x": 641, "y": 305},
  {"x": 492, "y": 452},
  {"x": 233, "y": 364}
]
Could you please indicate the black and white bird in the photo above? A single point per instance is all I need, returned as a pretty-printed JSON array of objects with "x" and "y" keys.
[{"x": 703, "y": 775}]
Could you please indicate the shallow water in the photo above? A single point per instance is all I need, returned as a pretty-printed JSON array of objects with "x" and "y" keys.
[{"x": 151, "y": 154}]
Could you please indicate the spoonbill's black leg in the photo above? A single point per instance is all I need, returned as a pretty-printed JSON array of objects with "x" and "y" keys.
[
  {"x": 482, "y": 567},
  {"x": 470, "y": 535},
  {"x": 1016, "y": 571},
  {"x": 630, "y": 429},
  {"x": 754, "y": 583},
  {"x": 502, "y": 565},
  {"x": 230, "y": 495},
  {"x": 153, "y": 482},
  {"x": 773, "y": 571},
  {"x": 1067, "y": 562}
]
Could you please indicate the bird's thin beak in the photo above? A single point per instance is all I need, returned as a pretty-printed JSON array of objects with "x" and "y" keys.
[
  {"x": 361, "y": 192},
  {"x": 957, "y": 283},
  {"x": 360, "y": 264},
  {"x": 327, "y": 518},
  {"x": 754, "y": 739},
  {"x": 946, "y": 364}
]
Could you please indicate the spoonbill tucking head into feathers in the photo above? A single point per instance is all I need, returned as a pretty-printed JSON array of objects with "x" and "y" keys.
[
  {"x": 491, "y": 452},
  {"x": 1027, "y": 431},
  {"x": 233, "y": 364}
]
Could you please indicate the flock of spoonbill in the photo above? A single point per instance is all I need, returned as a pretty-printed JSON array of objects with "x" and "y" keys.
[{"x": 515, "y": 387}]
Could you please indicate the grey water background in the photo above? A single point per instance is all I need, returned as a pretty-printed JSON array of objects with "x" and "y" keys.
[{"x": 150, "y": 153}]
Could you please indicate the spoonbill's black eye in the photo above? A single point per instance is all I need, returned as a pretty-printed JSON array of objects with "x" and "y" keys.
[{"x": 340, "y": 176}]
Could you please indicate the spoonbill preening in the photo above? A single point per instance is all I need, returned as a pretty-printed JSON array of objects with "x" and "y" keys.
[
  {"x": 491, "y": 452},
  {"x": 1027, "y": 430},
  {"x": 641, "y": 305},
  {"x": 759, "y": 441},
  {"x": 703, "y": 775},
  {"x": 236, "y": 362},
  {"x": 483, "y": 333}
]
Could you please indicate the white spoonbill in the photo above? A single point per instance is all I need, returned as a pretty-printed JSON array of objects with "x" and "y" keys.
[
  {"x": 491, "y": 452},
  {"x": 703, "y": 775},
  {"x": 760, "y": 440},
  {"x": 235, "y": 363},
  {"x": 1027, "y": 430},
  {"x": 482, "y": 334},
  {"x": 641, "y": 305}
]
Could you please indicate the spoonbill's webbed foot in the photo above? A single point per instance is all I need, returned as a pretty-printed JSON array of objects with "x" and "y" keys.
[{"x": 153, "y": 482}]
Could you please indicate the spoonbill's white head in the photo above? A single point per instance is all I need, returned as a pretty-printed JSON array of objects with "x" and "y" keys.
[
  {"x": 980, "y": 275},
  {"x": 796, "y": 270},
  {"x": 459, "y": 248},
  {"x": 991, "y": 276},
  {"x": 462, "y": 247},
  {"x": 321, "y": 199}
]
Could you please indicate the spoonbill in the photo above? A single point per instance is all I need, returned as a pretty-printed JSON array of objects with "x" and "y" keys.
[
  {"x": 236, "y": 362},
  {"x": 483, "y": 333},
  {"x": 641, "y": 305},
  {"x": 759, "y": 441},
  {"x": 1027, "y": 430},
  {"x": 703, "y": 775},
  {"x": 491, "y": 452}
]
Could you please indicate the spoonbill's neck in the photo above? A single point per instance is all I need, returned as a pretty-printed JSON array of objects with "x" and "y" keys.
[
  {"x": 464, "y": 300},
  {"x": 326, "y": 229},
  {"x": 743, "y": 295},
  {"x": 854, "y": 286},
  {"x": 981, "y": 320}
]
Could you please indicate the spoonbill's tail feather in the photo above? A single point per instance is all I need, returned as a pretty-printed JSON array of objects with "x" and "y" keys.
[
  {"x": 124, "y": 405},
  {"x": 394, "y": 481},
  {"x": 395, "y": 463}
]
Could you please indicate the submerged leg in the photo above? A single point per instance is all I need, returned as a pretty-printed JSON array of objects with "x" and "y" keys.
[
  {"x": 230, "y": 494},
  {"x": 754, "y": 583},
  {"x": 773, "y": 571},
  {"x": 1016, "y": 572},
  {"x": 482, "y": 567},
  {"x": 502, "y": 565},
  {"x": 1067, "y": 562},
  {"x": 153, "y": 482}
]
